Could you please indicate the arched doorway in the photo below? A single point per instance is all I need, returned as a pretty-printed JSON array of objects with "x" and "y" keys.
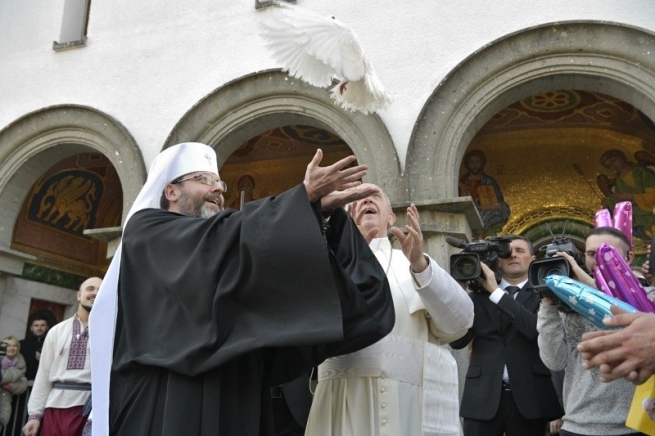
[
  {"x": 561, "y": 156},
  {"x": 587, "y": 56},
  {"x": 268, "y": 125},
  {"x": 592, "y": 58},
  {"x": 63, "y": 169}
]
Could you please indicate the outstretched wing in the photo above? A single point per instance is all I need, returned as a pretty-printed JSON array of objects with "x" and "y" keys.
[
  {"x": 320, "y": 49},
  {"x": 311, "y": 47}
]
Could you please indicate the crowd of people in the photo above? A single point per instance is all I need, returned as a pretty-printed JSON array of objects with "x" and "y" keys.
[{"x": 295, "y": 315}]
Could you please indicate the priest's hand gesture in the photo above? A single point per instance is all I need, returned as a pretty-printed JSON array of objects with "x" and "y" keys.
[{"x": 337, "y": 184}]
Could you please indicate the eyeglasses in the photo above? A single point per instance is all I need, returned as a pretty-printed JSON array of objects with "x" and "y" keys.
[{"x": 205, "y": 179}]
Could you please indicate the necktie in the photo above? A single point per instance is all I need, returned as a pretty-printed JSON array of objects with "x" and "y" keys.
[{"x": 511, "y": 290}]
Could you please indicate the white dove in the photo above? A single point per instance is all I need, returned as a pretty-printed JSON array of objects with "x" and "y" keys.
[{"x": 318, "y": 49}]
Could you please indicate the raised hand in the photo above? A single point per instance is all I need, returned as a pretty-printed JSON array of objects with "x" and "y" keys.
[
  {"x": 335, "y": 199},
  {"x": 321, "y": 181},
  {"x": 412, "y": 242}
]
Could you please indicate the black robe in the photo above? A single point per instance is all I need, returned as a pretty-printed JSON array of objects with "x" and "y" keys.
[{"x": 213, "y": 312}]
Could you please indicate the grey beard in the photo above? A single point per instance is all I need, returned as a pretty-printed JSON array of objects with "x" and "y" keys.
[
  {"x": 207, "y": 212},
  {"x": 195, "y": 207}
]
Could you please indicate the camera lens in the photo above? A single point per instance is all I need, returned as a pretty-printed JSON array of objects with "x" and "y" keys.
[
  {"x": 541, "y": 268},
  {"x": 552, "y": 272},
  {"x": 466, "y": 267}
]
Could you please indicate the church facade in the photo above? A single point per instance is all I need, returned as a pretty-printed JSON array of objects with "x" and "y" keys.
[{"x": 92, "y": 91}]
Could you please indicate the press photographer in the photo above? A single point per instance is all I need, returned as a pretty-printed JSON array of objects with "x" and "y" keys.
[
  {"x": 507, "y": 384},
  {"x": 551, "y": 264},
  {"x": 466, "y": 266}
]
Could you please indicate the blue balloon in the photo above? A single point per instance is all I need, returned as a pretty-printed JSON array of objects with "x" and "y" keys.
[{"x": 589, "y": 302}]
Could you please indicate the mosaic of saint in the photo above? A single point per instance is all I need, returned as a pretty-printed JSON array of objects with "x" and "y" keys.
[{"x": 561, "y": 155}]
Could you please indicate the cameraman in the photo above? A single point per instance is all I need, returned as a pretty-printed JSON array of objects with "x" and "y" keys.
[
  {"x": 592, "y": 407},
  {"x": 508, "y": 390}
]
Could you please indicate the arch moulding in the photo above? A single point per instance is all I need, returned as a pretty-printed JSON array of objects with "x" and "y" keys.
[
  {"x": 34, "y": 142},
  {"x": 253, "y": 104},
  {"x": 608, "y": 58}
]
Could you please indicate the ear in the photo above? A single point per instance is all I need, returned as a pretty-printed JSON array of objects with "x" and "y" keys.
[
  {"x": 392, "y": 219},
  {"x": 629, "y": 257},
  {"x": 79, "y": 295},
  {"x": 172, "y": 193}
]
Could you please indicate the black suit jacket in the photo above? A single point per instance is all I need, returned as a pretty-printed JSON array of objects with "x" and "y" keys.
[
  {"x": 298, "y": 398},
  {"x": 506, "y": 334}
]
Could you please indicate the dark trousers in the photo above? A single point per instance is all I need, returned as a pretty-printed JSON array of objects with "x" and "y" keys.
[
  {"x": 568, "y": 433},
  {"x": 508, "y": 421},
  {"x": 284, "y": 423}
]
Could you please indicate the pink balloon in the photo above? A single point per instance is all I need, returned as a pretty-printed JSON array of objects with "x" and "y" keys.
[
  {"x": 623, "y": 219},
  {"x": 603, "y": 219},
  {"x": 601, "y": 283},
  {"x": 621, "y": 281}
]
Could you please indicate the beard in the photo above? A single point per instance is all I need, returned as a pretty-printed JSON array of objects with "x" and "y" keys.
[{"x": 197, "y": 206}]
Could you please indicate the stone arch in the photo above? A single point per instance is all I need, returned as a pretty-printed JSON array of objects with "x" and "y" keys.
[
  {"x": 31, "y": 144},
  {"x": 253, "y": 104},
  {"x": 608, "y": 58}
]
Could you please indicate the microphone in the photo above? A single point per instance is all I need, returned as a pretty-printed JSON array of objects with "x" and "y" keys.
[{"x": 456, "y": 242}]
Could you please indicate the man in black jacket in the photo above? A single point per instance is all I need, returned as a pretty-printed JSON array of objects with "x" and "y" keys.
[
  {"x": 508, "y": 390},
  {"x": 31, "y": 346}
]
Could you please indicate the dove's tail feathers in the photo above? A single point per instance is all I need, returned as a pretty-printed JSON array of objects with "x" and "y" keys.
[{"x": 359, "y": 96}]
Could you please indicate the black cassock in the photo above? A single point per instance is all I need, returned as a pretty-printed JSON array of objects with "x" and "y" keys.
[{"x": 213, "y": 312}]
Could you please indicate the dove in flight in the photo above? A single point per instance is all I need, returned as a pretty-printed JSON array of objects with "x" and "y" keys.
[{"x": 320, "y": 49}]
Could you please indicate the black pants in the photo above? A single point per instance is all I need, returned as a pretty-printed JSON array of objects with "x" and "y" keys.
[
  {"x": 508, "y": 421},
  {"x": 284, "y": 423},
  {"x": 568, "y": 433}
]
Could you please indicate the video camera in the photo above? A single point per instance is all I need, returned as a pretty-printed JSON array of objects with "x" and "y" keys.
[
  {"x": 465, "y": 266},
  {"x": 539, "y": 269}
]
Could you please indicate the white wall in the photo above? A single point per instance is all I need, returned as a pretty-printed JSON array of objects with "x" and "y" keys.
[
  {"x": 146, "y": 63},
  {"x": 16, "y": 295}
]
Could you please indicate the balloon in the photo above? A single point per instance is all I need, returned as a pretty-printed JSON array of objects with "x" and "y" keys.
[
  {"x": 619, "y": 278},
  {"x": 603, "y": 219},
  {"x": 585, "y": 300},
  {"x": 623, "y": 219},
  {"x": 601, "y": 283}
]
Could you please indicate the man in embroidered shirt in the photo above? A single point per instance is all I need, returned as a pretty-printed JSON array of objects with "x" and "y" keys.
[
  {"x": 404, "y": 384},
  {"x": 63, "y": 380}
]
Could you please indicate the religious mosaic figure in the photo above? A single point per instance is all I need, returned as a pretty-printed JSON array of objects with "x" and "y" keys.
[
  {"x": 485, "y": 192},
  {"x": 245, "y": 187},
  {"x": 634, "y": 183}
]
